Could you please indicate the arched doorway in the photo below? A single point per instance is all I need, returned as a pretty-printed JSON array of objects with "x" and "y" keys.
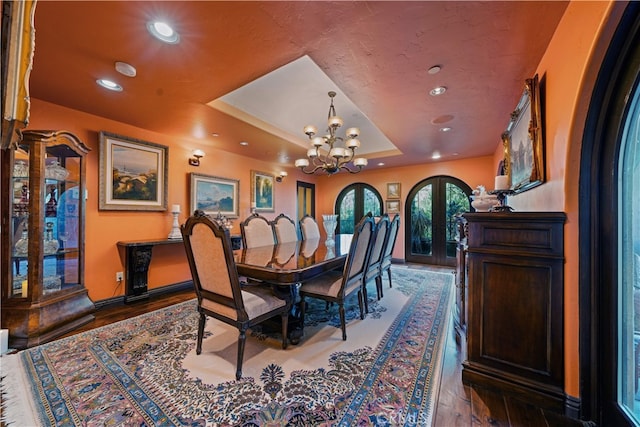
[
  {"x": 610, "y": 235},
  {"x": 430, "y": 224},
  {"x": 354, "y": 202}
]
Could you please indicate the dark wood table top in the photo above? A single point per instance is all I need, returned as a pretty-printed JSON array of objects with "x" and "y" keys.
[{"x": 293, "y": 262}]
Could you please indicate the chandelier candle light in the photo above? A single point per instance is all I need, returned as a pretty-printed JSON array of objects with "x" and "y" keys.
[
  {"x": 175, "y": 229},
  {"x": 336, "y": 158}
]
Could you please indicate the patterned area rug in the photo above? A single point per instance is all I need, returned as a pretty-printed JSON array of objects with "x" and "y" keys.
[{"x": 144, "y": 371}]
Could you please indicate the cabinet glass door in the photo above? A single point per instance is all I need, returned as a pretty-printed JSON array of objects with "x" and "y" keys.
[
  {"x": 19, "y": 223},
  {"x": 57, "y": 231}
]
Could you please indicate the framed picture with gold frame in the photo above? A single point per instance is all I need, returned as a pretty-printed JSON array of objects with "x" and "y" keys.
[
  {"x": 393, "y": 190},
  {"x": 262, "y": 191},
  {"x": 392, "y": 206},
  {"x": 133, "y": 174},
  {"x": 215, "y": 195},
  {"x": 523, "y": 141}
]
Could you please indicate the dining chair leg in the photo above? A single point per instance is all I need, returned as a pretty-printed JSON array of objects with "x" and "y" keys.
[
  {"x": 366, "y": 300},
  {"x": 389, "y": 274},
  {"x": 285, "y": 322},
  {"x": 343, "y": 322},
  {"x": 362, "y": 302},
  {"x": 379, "y": 287},
  {"x": 242, "y": 337},
  {"x": 201, "y": 323}
]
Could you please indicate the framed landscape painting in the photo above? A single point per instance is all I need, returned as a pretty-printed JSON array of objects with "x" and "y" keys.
[
  {"x": 393, "y": 190},
  {"x": 133, "y": 174},
  {"x": 262, "y": 191},
  {"x": 393, "y": 206},
  {"x": 523, "y": 142},
  {"x": 215, "y": 195}
]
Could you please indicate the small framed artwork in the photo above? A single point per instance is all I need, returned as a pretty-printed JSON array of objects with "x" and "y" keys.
[
  {"x": 393, "y": 190},
  {"x": 523, "y": 142},
  {"x": 215, "y": 195},
  {"x": 393, "y": 206},
  {"x": 262, "y": 191},
  {"x": 133, "y": 174}
]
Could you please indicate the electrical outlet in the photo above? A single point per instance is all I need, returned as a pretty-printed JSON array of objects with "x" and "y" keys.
[{"x": 119, "y": 276}]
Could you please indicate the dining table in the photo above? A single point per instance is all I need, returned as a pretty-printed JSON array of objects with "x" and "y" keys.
[{"x": 285, "y": 266}]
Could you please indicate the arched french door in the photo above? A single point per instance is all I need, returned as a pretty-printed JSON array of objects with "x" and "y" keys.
[
  {"x": 430, "y": 224},
  {"x": 354, "y": 202},
  {"x": 610, "y": 235}
]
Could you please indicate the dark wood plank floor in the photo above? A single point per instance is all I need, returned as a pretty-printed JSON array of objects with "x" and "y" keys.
[{"x": 458, "y": 405}]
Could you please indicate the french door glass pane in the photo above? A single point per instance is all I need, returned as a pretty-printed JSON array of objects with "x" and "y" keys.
[
  {"x": 629, "y": 286},
  {"x": 371, "y": 203},
  {"x": 422, "y": 221},
  {"x": 457, "y": 203},
  {"x": 346, "y": 213}
]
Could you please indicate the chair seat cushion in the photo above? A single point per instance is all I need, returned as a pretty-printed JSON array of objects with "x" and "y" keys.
[
  {"x": 328, "y": 284},
  {"x": 258, "y": 300}
]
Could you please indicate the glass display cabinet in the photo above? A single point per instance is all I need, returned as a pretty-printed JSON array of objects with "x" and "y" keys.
[{"x": 43, "y": 211}]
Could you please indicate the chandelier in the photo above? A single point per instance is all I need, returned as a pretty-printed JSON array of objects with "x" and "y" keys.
[{"x": 336, "y": 157}]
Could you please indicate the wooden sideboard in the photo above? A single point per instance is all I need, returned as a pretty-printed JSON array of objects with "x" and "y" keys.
[{"x": 514, "y": 316}]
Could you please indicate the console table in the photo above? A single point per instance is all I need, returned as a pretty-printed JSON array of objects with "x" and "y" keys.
[
  {"x": 137, "y": 260},
  {"x": 136, "y": 266}
]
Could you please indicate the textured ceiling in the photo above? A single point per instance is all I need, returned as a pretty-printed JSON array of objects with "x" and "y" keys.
[{"x": 376, "y": 54}]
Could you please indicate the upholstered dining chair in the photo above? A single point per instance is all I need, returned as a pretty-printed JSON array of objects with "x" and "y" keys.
[
  {"x": 385, "y": 265},
  {"x": 374, "y": 261},
  {"x": 284, "y": 228},
  {"x": 215, "y": 278},
  {"x": 335, "y": 286},
  {"x": 256, "y": 231},
  {"x": 309, "y": 228}
]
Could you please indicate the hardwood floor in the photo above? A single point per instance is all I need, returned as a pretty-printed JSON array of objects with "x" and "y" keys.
[{"x": 458, "y": 405}]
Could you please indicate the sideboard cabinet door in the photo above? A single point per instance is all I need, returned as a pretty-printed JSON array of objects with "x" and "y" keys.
[{"x": 515, "y": 312}]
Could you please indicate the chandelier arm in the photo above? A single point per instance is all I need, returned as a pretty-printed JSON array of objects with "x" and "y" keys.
[
  {"x": 312, "y": 171},
  {"x": 345, "y": 167}
]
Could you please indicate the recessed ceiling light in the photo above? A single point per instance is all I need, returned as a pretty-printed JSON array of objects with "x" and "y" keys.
[
  {"x": 108, "y": 84},
  {"x": 381, "y": 164},
  {"x": 125, "y": 69},
  {"x": 215, "y": 134},
  {"x": 445, "y": 129},
  {"x": 244, "y": 143},
  {"x": 163, "y": 31},
  {"x": 436, "y": 155},
  {"x": 434, "y": 70},
  {"x": 439, "y": 90}
]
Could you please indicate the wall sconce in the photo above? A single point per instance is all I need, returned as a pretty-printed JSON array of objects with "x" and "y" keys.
[
  {"x": 195, "y": 160},
  {"x": 282, "y": 175}
]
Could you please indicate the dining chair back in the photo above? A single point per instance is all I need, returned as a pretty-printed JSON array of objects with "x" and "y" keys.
[
  {"x": 335, "y": 286},
  {"x": 374, "y": 261},
  {"x": 284, "y": 228},
  {"x": 218, "y": 290},
  {"x": 309, "y": 228},
  {"x": 385, "y": 265},
  {"x": 256, "y": 231}
]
